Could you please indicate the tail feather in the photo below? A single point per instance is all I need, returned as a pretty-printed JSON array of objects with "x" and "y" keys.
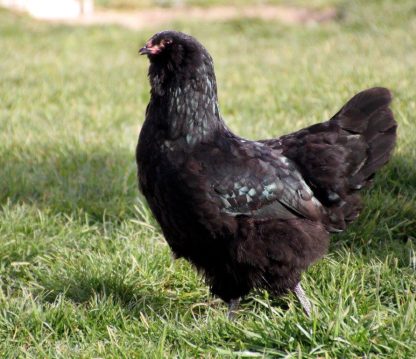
[
  {"x": 366, "y": 102},
  {"x": 367, "y": 114},
  {"x": 380, "y": 121},
  {"x": 341, "y": 156}
]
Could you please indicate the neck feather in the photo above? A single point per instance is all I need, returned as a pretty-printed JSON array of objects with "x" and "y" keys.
[{"x": 191, "y": 106}]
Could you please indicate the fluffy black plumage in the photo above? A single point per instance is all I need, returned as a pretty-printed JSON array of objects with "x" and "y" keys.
[{"x": 250, "y": 214}]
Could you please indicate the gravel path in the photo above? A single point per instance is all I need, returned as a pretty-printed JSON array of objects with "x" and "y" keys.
[{"x": 157, "y": 16}]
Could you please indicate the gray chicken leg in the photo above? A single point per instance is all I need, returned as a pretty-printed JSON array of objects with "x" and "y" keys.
[
  {"x": 232, "y": 308},
  {"x": 303, "y": 299}
]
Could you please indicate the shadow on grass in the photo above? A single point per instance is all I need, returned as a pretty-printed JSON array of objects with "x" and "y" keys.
[
  {"x": 137, "y": 299},
  {"x": 98, "y": 182},
  {"x": 401, "y": 174},
  {"x": 133, "y": 297}
]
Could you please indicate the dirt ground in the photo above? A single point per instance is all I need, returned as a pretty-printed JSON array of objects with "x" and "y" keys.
[{"x": 158, "y": 16}]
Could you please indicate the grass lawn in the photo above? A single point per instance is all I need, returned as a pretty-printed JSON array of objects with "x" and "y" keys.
[{"x": 84, "y": 270}]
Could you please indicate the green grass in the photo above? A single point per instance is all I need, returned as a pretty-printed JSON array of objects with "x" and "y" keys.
[{"x": 84, "y": 270}]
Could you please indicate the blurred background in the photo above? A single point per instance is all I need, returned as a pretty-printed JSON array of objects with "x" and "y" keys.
[{"x": 83, "y": 267}]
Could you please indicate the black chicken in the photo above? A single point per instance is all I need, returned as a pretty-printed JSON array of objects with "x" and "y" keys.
[{"x": 250, "y": 214}]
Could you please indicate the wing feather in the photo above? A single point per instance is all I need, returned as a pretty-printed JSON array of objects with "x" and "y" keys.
[{"x": 269, "y": 187}]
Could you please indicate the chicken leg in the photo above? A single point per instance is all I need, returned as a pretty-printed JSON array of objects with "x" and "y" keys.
[
  {"x": 303, "y": 299},
  {"x": 232, "y": 308}
]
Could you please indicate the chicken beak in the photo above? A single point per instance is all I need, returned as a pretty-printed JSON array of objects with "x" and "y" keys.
[{"x": 144, "y": 51}]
